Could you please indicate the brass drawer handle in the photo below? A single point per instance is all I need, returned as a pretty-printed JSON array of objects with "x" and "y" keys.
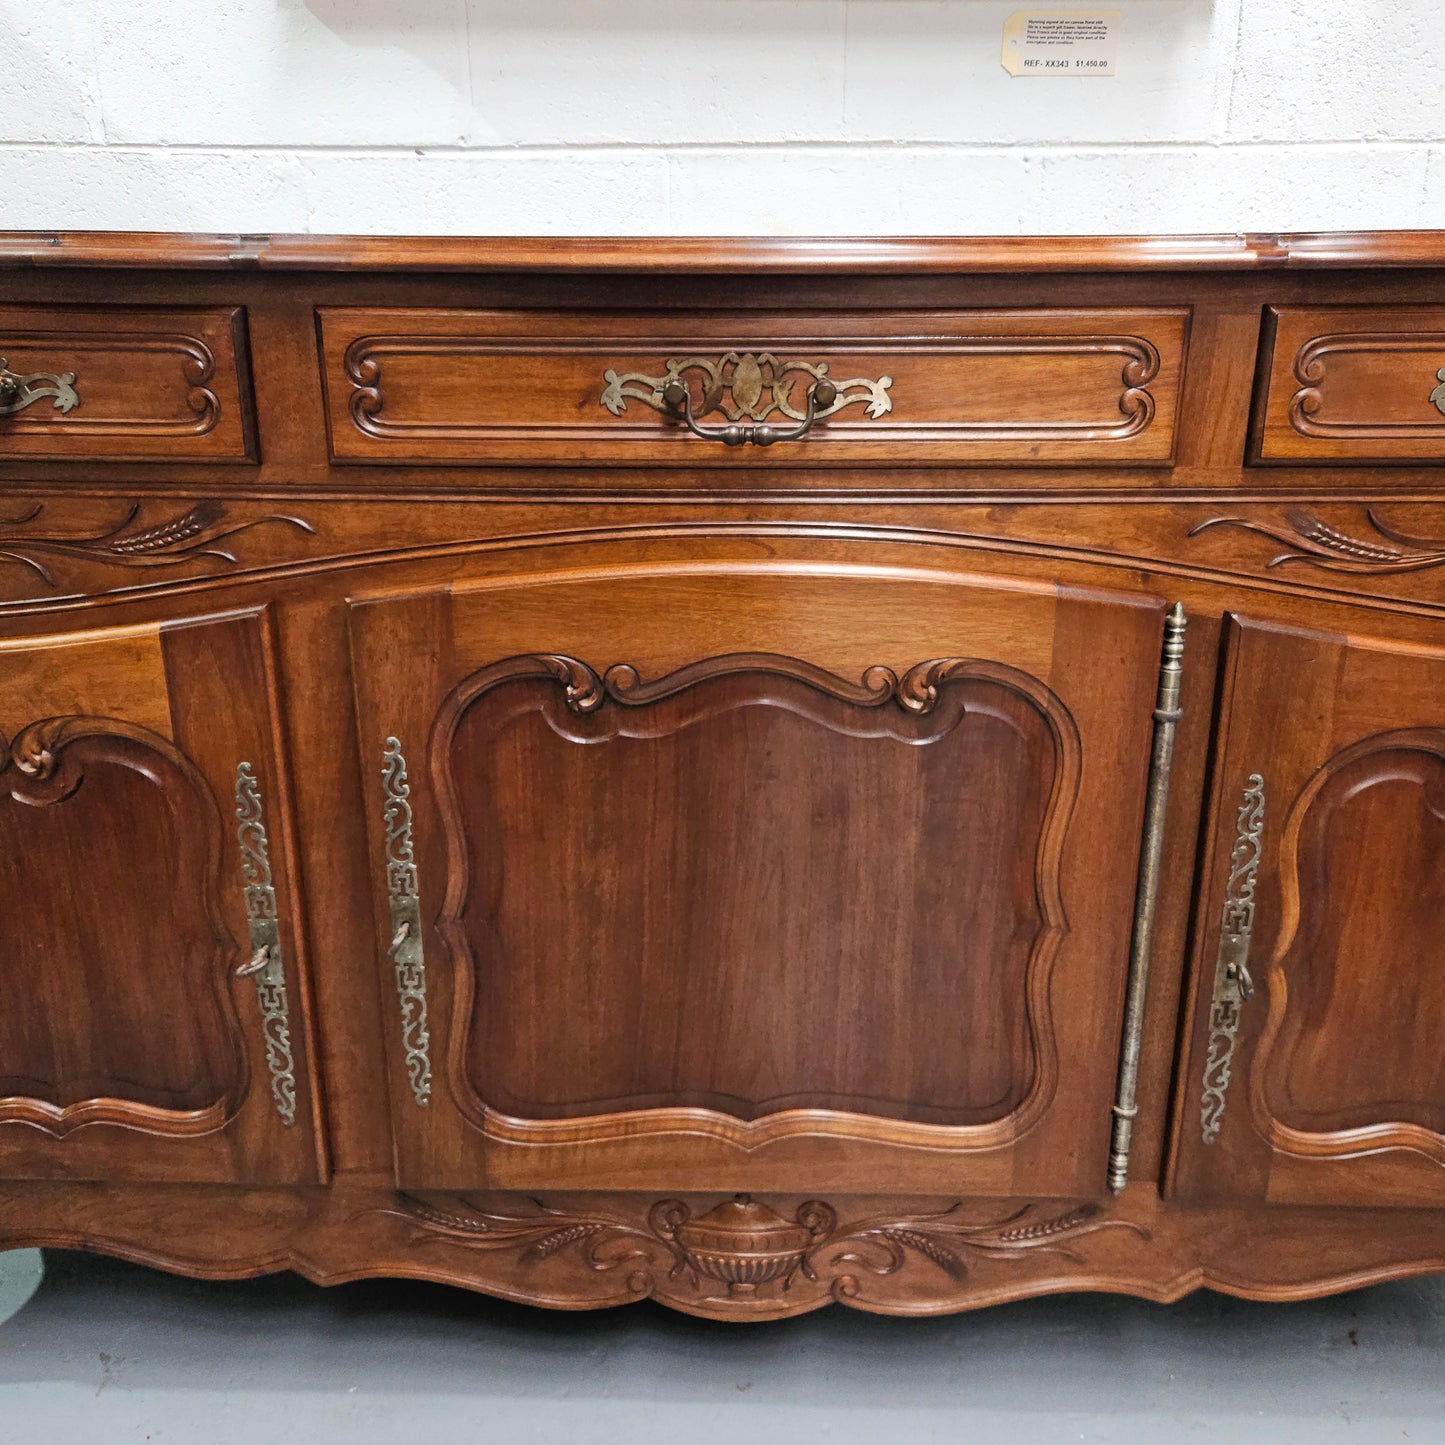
[
  {"x": 17, "y": 392},
  {"x": 1438, "y": 395},
  {"x": 747, "y": 388},
  {"x": 678, "y": 400}
]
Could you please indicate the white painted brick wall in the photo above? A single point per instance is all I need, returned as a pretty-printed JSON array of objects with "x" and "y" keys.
[{"x": 712, "y": 117}]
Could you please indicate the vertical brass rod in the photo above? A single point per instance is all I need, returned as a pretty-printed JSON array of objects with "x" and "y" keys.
[{"x": 1146, "y": 899}]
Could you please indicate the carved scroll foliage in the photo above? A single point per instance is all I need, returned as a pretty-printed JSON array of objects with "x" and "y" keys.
[
  {"x": 270, "y": 976},
  {"x": 916, "y": 691},
  {"x": 1232, "y": 982},
  {"x": 406, "y": 943},
  {"x": 35, "y": 749},
  {"x": 192, "y": 534},
  {"x": 745, "y": 386},
  {"x": 1309, "y": 540},
  {"x": 743, "y": 1247}
]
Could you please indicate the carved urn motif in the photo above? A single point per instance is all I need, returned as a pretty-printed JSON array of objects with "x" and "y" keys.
[{"x": 743, "y": 1244}]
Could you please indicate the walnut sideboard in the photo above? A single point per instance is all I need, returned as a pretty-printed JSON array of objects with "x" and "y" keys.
[{"x": 750, "y": 773}]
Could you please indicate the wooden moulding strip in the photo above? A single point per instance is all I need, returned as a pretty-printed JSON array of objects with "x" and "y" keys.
[{"x": 782, "y": 255}]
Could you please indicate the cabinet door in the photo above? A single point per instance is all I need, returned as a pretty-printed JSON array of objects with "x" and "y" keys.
[
  {"x": 755, "y": 877},
  {"x": 143, "y": 825},
  {"x": 1325, "y": 890}
]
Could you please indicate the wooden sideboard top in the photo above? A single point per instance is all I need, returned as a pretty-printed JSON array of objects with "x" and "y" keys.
[{"x": 698, "y": 255}]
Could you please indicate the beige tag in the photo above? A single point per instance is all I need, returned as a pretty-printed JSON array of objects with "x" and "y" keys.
[{"x": 1061, "y": 42}]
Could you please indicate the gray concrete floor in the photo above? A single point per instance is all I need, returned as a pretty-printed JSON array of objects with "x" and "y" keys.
[{"x": 99, "y": 1351}]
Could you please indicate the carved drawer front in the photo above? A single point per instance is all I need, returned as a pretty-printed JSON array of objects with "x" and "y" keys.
[
  {"x": 150, "y": 957},
  {"x": 1317, "y": 1069},
  {"x": 1096, "y": 387},
  {"x": 125, "y": 383},
  {"x": 781, "y": 879},
  {"x": 1351, "y": 384}
]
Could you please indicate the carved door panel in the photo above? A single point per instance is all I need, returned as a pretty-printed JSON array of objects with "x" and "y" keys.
[
  {"x": 756, "y": 879},
  {"x": 1317, "y": 1065},
  {"x": 150, "y": 962}
]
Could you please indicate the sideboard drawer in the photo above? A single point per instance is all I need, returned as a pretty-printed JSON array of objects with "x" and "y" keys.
[
  {"x": 1351, "y": 384},
  {"x": 125, "y": 383},
  {"x": 1022, "y": 387}
]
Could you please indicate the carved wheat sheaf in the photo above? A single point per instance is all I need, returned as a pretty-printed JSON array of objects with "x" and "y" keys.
[
  {"x": 1309, "y": 540},
  {"x": 188, "y": 536},
  {"x": 742, "y": 1246}
]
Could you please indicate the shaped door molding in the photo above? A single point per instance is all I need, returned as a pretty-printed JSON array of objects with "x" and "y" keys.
[
  {"x": 46, "y": 766},
  {"x": 621, "y": 703},
  {"x": 1414, "y": 758}
]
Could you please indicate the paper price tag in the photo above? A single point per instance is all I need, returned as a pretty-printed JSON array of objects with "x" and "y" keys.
[{"x": 1061, "y": 42}]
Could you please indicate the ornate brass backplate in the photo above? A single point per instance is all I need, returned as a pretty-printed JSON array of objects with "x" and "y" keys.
[
  {"x": 405, "y": 950},
  {"x": 266, "y": 966},
  {"x": 1232, "y": 982},
  {"x": 746, "y": 386},
  {"x": 17, "y": 392}
]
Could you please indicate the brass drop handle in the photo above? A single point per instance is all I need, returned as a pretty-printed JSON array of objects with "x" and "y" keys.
[
  {"x": 677, "y": 398},
  {"x": 259, "y": 960},
  {"x": 17, "y": 392},
  {"x": 1238, "y": 973}
]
